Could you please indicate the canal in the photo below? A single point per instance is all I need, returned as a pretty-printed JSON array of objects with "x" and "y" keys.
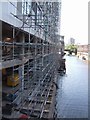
[{"x": 72, "y": 94}]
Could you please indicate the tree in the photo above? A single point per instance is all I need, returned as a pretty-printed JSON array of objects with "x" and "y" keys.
[{"x": 71, "y": 48}]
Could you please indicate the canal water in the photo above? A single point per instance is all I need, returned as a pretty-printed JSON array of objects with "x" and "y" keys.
[{"x": 72, "y": 94}]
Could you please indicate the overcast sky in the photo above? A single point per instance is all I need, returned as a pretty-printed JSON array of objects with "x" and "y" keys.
[{"x": 74, "y": 20}]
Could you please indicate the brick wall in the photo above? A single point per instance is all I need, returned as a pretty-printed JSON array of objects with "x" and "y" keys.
[{"x": 83, "y": 48}]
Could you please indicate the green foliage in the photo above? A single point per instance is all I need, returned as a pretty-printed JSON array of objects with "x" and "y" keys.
[{"x": 71, "y": 48}]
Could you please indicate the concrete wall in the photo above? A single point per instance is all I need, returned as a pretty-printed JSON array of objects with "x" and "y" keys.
[{"x": 83, "y": 48}]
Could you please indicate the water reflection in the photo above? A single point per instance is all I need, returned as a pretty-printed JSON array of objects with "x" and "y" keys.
[{"x": 72, "y": 95}]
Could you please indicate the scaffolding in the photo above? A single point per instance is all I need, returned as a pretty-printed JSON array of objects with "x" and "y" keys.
[{"x": 34, "y": 57}]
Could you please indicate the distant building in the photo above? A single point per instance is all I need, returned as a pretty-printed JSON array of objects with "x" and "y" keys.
[
  {"x": 83, "y": 48},
  {"x": 72, "y": 41},
  {"x": 83, "y": 51}
]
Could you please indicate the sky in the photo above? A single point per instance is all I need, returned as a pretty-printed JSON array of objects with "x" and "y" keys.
[{"x": 74, "y": 20}]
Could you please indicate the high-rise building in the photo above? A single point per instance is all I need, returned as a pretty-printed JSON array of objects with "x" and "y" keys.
[{"x": 72, "y": 41}]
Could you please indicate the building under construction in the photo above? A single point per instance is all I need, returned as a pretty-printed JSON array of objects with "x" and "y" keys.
[{"x": 30, "y": 51}]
